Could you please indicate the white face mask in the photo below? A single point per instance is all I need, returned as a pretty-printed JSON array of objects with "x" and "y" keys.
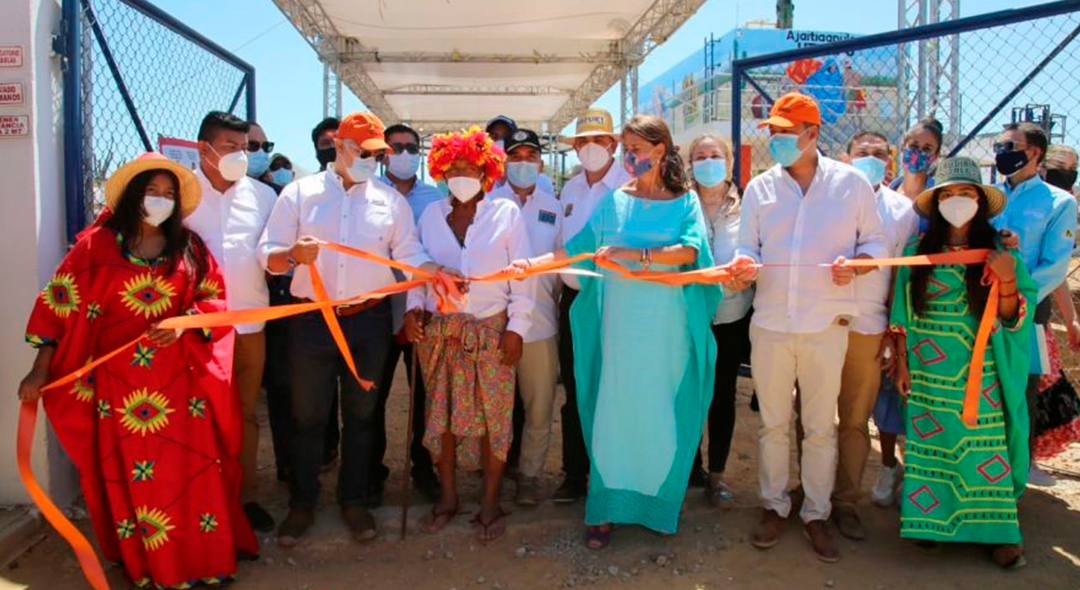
[
  {"x": 958, "y": 210},
  {"x": 593, "y": 157},
  {"x": 232, "y": 167},
  {"x": 463, "y": 188},
  {"x": 362, "y": 169},
  {"x": 158, "y": 209}
]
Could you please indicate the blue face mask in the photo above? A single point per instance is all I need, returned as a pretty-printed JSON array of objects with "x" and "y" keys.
[
  {"x": 258, "y": 162},
  {"x": 710, "y": 172},
  {"x": 363, "y": 169},
  {"x": 403, "y": 166},
  {"x": 636, "y": 165},
  {"x": 281, "y": 176},
  {"x": 873, "y": 168},
  {"x": 522, "y": 174},
  {"x": 784, "y": 148}
]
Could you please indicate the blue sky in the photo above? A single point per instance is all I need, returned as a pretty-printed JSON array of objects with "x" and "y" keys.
[{"x": 289, "y": 76}]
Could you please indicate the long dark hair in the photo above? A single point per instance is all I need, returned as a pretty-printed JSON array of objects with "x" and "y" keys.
[
  {"x": 981, "y": 235},
  {"x": 653, "y": 130},
  {"x": 180, "y": 242}
]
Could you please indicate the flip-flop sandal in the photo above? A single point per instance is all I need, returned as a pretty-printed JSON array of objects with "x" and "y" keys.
[
  {"x": 492, "y": 525},
  {"x": 1009, "y": 557},
  {"x": 596, "y": 538},
  {"x": 435, "y": 521}
]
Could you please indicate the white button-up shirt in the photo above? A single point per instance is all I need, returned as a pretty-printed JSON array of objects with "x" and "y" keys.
[
  {"x": 370, "y": 216},
  {"x": 898, "y": 222},
  {"x": 724, "y": 236},
  {"x": 780, "y": 225},
  {"x": 543, "y": 221},
  {"x": 578, "y": 201},
  {"x": 231, "y": 223},
  {"x": 496, "y": 237}
]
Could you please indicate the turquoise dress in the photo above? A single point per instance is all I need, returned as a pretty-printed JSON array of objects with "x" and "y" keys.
[{"x": 644, "y": 358}]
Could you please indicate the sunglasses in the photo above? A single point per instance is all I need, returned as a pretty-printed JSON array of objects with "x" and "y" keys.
[
  {"x": 411, "y": 148},
  {"x": 1008, "y": 146},
  {"x": 266, "y": 146}
]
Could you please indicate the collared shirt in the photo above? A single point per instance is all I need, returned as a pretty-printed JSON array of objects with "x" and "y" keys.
[
  {"x": 369, "y": 216},
  {"x": 780, "y": 225},
  {"x": 420, "y": 196},
  {"x": 723, "y": 230},
  {"x": 496, "y": 237},
  {"x": 543, "y": 221},
  {"x": 1044, "y": 217},
  {"x": 899, "y": 222},
  {"x": 578, "y": 201},
  {"x": 231, "y": 223}
]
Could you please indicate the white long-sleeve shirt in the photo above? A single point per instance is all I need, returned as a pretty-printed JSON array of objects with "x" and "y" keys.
[
  {"x": 369, "y": 216},
  {"x": 898, "y": 222},
  {"x": 543, "y": 220},
  {"x": 579, "y": 199},
  {"x": 780, "y": 225},
  {"x": 496, "y": 237},
  {"x": 231, "y": 224}
]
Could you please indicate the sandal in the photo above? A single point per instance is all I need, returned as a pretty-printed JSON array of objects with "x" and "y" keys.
[
  {"x": 493, "y": 530},
  {"x": 598, "y": 537},
  {"x": 1009, "y": 557},
  {"x": 436, "y": 521},
  {"x": 718, "y": 494}
]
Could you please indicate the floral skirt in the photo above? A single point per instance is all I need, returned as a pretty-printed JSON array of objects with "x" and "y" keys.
[
  {"x": 470, "y": 393},
  {"x": 1055, "y": 409}
]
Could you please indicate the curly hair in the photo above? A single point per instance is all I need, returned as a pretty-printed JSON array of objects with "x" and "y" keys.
[{"x": 472, "y": 145}]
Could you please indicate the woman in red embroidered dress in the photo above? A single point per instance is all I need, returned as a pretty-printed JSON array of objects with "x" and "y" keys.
[{"x": 155, "y": 431}]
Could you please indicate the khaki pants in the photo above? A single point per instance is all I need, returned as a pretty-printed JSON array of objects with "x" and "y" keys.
[
  {"x": 537, "y": 372},
  {"x": 859, "y": 384},
  {"x": 249, "y": 357},
  {"x": 815, "y": 361}
]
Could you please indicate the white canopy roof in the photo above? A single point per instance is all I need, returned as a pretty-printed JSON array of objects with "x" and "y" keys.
[{"x": 440, "y": 64}]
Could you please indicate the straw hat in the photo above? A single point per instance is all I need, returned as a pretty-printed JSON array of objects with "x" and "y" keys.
[
  {"x": 190, "y": 191},
  {"x": 959, "y": 170},
  {"x": 592, "y": 122}
]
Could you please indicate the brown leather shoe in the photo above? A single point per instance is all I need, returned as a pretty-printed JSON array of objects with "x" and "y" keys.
[
  {"x": 848, "y": 522},
  {"x": 767, "y": 533},
  {"x": 360, "y": 522},
  {"x": 821, "y": 541},
  {"x": 295, "y": 525}
]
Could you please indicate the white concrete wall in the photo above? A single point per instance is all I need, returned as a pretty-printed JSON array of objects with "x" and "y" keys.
[{"x": 31, "y": 215}]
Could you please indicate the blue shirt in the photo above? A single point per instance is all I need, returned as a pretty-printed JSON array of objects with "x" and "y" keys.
[
  {"x": 419, "y": 197},
  {"x": 1044, "y": 217}
]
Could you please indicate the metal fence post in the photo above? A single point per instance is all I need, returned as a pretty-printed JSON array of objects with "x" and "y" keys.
[
  {"x": 736, "y": 120},
  {"x": 74, "y": 184}
]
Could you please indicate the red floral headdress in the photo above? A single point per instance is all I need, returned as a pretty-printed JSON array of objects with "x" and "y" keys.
[{"x": 472, "y": 145}]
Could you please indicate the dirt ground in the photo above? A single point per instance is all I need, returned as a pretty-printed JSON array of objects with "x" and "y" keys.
[{"x": 544, "y": 548}]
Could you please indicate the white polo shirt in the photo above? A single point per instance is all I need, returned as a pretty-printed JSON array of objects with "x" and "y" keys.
[
  {"x": 543, "y": 221},
  {"x": 899, "y": 222},
  {"x": 231, "y": 224}
]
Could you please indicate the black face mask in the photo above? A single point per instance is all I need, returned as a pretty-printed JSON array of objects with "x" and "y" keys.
[
  {"x": 326, "y": 155},
  {"x": 1009, "y": 163},
  {"x": 1062, "y": 178}
]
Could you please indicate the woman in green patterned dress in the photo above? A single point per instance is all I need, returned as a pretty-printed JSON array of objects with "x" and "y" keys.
[{"x": 961, "y": 482}]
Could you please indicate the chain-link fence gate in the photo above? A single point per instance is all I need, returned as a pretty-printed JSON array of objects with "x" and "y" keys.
[{"x": 134, "y": 74}]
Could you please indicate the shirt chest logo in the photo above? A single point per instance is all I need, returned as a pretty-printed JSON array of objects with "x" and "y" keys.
[{"x": 547, "y": 217}]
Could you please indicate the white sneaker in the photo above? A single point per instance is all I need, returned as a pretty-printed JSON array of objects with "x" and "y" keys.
[
  {"x": 884, "y": 492},
  {"x": 1039, "y": 478}
]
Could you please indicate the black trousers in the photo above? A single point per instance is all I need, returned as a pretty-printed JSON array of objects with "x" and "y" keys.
[
  {"x": 1041, "y": 318},
  {"x": 317, "y": 372},
  {"x": 422, "y": 468},
  {"x": 733, "y": 348},
  {"x": 276, "y": 383},
  {"x": 574, "y": 456}
]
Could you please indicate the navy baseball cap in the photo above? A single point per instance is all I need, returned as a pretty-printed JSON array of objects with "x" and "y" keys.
[{"x": 501, "y": 119}]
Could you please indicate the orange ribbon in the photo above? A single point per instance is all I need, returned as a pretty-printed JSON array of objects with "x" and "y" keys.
[{"x": 449, "y": 296}]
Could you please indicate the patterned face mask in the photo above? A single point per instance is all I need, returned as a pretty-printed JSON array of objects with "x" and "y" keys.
[{"x": 917, "y": 161}]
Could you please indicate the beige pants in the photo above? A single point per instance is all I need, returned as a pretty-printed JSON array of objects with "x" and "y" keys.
[
  {"x": 249, "y": 357},
  {"x": 815, "y": 361},
  {"x": 859, "y": 384},
  {"x": 537, "y": 372}
]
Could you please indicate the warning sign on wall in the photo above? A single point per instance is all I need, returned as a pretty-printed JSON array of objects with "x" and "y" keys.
[
  {"x": 11, "y": 56},
  {"x": 11, "y": 93},
  {"x": 14, "y": 125}
]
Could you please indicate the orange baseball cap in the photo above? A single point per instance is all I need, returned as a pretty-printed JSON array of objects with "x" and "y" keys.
[
  {"x": 792, "y": 108},
  {"x": 365, "y": 129}
]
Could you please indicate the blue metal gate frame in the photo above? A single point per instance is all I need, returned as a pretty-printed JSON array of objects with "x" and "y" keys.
[
  {"x": 66, "y": 44},
  {"x": 740, "y": 68}
]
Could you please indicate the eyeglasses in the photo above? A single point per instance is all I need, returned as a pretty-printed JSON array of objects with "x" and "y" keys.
[
  {"x": 1008, "y": 146},
  {"x": 412, "y": 148},
  {"x": 266, "y": 146}
]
